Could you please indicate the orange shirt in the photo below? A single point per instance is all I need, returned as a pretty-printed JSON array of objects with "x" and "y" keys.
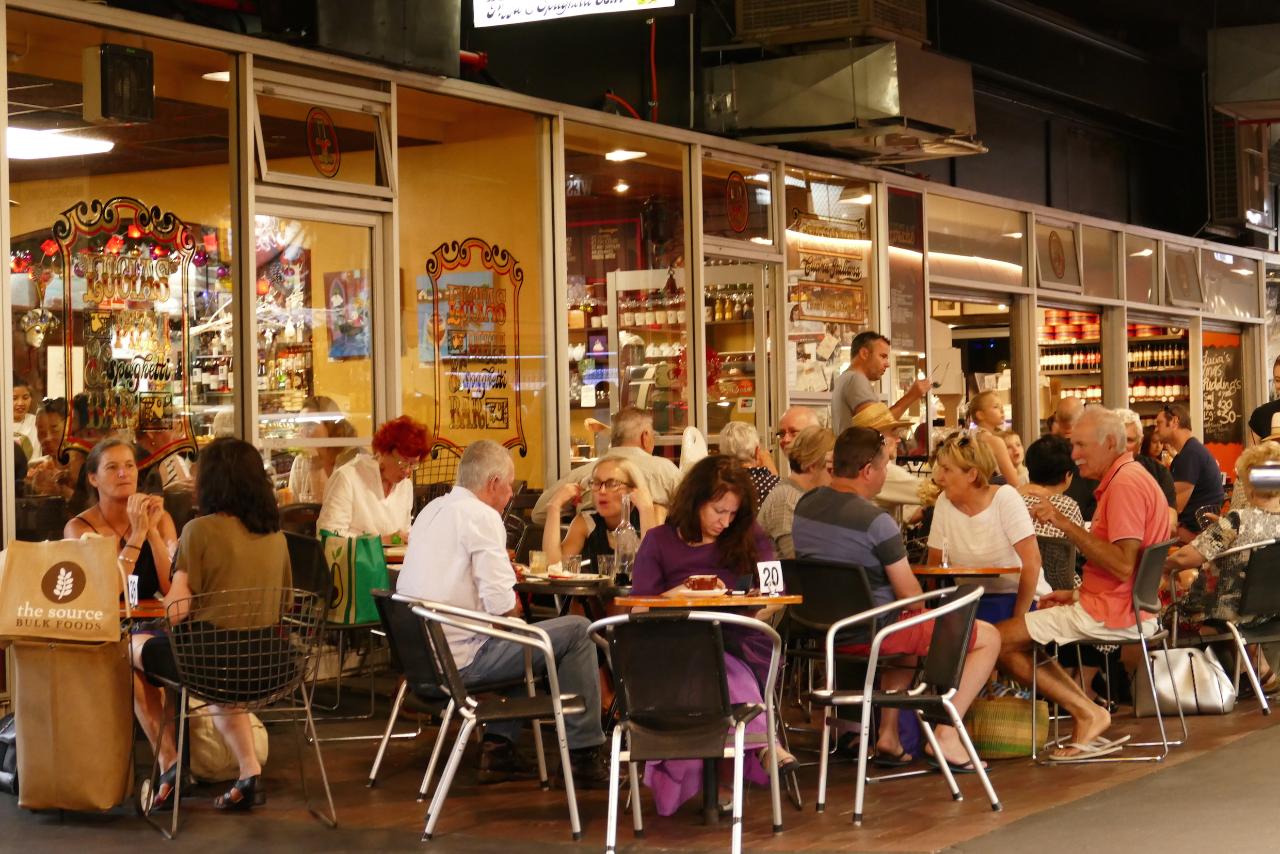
[{"x": 1130, "y": 507}]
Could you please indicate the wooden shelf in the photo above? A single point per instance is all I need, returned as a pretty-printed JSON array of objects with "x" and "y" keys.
[
  {"x": 1090, "y": 373},
  {"x": 1076, "y": 343},
  {"x": 730, "y": 322},
  {"x": 1178, "y": 370},
  {"x": 664, "y": 328},
  {"x": 1145, "y": 338},
  {"x": 1149, "y": 401}
]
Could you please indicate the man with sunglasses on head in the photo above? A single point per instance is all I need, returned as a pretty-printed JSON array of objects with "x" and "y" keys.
[
  {"x": 1197, "y": 479},
  {"x": 841, "y": 524}
]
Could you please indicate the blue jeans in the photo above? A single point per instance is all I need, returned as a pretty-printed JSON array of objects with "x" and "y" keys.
[{"x": 575, "y": 656}]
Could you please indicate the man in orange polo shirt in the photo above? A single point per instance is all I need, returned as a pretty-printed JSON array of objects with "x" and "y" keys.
[{"x": 1131, "y": 515}]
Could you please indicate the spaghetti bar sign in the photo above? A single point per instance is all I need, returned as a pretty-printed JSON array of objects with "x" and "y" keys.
[{"x": 496, "y": 13}]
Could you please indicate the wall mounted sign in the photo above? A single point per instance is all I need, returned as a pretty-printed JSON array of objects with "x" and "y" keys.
[
  {"x": 134, "y": 262},
  {"x": 1223, "y": 390},
  {"x": 322, "y": 142},
  {"x": 736, "y": 209},
  {"x": 496, "y": 13},
  {"x": 1056, "y": 259},
  {"x": 469, "y": 310},
  {"x": 830, "y": 254}
]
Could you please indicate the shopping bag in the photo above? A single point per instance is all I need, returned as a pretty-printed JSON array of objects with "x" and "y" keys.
[
  {"x": 358, "y": 566},
  {"x": 61, "y": 589},
  {"x": 211, "y": 760},
  {"x": 1203, "y": 686},
  {"x": 73, "y": 708},
  {"x": 1000, "y": 727}
]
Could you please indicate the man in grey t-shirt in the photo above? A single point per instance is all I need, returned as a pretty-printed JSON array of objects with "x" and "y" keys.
[{"x": 853, "y": 388}]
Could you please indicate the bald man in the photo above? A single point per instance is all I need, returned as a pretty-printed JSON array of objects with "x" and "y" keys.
[
  {"x": 1069, "y": 410},
  {"x": 792, "y": 422}
]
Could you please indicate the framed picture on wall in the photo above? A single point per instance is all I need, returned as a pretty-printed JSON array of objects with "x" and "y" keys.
[
  {"x": 1182, "y": 277},
  {"x": 346, "y": 298}
]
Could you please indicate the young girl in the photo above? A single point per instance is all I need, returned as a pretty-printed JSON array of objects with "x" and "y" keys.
[{"x": 1013, "y": 442}]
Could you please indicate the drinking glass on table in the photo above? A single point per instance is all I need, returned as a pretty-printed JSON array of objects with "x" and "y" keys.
[
  {"x": 606, "y": 566},
  {"x": 571, "y": 564},
  {"x": 537, "y": 562}
]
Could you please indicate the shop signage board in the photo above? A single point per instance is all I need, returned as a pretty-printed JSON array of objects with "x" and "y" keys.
[
  {"x": 496, "y": 13},
  {"x": 469, "y": 313},
  {"x": 1223, "y": 389},
  {"x": 831, "y": 255},
  {"x": 906, "y": 271}
]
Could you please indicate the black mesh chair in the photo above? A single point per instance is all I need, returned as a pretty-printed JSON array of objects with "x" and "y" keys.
[
  {"x": 247, "y": 649},
  {"x": 479, "y": 710},
  {"x": 1146, "y": 598},
  {"x": 300, "y": 518},
  {"x": 310, "y": 569},
  {"x": 411, "y": 657},
  {"x": 953, "y": 618},
  {"x": 1058, "y": 560},
  {"x": 673, "y": 701},
  {"x": 1259, "y": 600},
  {"x": 517, "y": 528},
  {"x": 425, "y": 493}
]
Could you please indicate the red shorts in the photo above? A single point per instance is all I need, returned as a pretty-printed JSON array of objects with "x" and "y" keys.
[{"x": 912, "y": 641}]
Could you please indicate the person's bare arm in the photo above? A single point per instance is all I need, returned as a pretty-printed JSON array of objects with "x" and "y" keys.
[
  {"x": 1004, "y": 462},
  {"x": 1120, "y": 558},
  {"x": 1029, "y": 553},
  {"x": 917, "y": 390},
  {"x": 1182, "y": 494},
  {"x": 1187, "y": 557},
  {"x": 904, "y": 584}
]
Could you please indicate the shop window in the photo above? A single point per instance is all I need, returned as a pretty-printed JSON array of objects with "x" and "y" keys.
[
  {"x": 1101, "y": 248},
  {"x": 473, "y": 364},
  {"x": 1230, "y": 283},
  {"x": 976, "y": 243},
  {"x": 1182, "y": 277},
  {"x": 98, "y": 326},
  {"x": 907, "y": 311},
  {"x": 1158, "y": 365},
  {"x": 737, "y": 201},
  {"x": 1140, "y": 269}
]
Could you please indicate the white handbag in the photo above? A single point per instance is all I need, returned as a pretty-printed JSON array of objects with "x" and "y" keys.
[{"x": 1204, "y": 688}]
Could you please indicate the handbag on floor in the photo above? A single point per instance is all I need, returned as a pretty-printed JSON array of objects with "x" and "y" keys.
[
  {"x": 1204, "y": 688},
  {"x": 1000, "y": 727}
]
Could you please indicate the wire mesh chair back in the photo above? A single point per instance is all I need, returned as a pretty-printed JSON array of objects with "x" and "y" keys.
[
  {"x": 1146, "y": 582},
  {"x": 310, "y": 569},
  {"x": 424, "y": 494},
  {"x": 1058, "y": 559},
  {"x": 668, "y": 667},
  {"x": 950, "y": 642},
  {"x": 300, "y": 518},
  {"x": 410, "y": 645},
  {"x": 246, "y": 648},
  {"x": 1260, "y": 589},
  {"x": 516, "y": 530},
  {"x": 440, "y": 466},
  {"x": 831, "y": 591}
]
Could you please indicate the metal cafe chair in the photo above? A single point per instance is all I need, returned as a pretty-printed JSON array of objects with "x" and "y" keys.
[
  {"x": 1146, "y": 597},
  {"x": 300, "y": 518},
  {"x": 478, "y": 710},
  {"x": 953, "y": 620},
  {"x": 674, "y": 702},
  {"x": 227, "y": 652}
]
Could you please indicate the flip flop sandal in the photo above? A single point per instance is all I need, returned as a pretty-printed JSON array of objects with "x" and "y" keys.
[
  {"x": 901, "y": 759},
  {"x": 966, "y": 768},
  {"x": 1086, "y": 751}
]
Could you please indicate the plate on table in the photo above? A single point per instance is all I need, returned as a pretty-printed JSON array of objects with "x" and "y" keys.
[
  {"x": 702, "y": 594},
  {"x": 582, "y": 576}
]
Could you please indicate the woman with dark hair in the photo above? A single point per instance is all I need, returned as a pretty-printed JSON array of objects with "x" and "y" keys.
[
  {"x": 145, "y": 531},
  {"x": 373, "y": 494},
  {"x": 710, "y": 530},
  {"x": 24, "y": 420},
  {"x": 47, "y": 476},
  {"x": 312, "y": 468},
  {"x": 236, "y": 544},
  {"x": 1050, "y": 471}
]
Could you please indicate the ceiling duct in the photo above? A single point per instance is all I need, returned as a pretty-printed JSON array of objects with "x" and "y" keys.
[{"x": 881, "y": 103}]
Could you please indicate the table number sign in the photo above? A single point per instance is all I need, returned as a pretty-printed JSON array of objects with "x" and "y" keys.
[{"x": 769, "y": 573}]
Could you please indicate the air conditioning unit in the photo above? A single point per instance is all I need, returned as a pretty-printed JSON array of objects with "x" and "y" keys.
[
  {"x": 791, "y": 21},
  {"x": 1239, "y": 176}
]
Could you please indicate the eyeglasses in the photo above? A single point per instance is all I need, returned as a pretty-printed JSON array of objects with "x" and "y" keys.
[
  {"x": 789, "y": 431},
  {"x": 958, "y": 439},
  {"x": 876, "y": 454},
  {"x": 401, "y": 463},
  {"x": 609, "y": 485}
]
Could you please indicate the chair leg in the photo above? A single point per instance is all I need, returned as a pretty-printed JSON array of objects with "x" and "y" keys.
[
  {"x": 823, "y": 759},
  {"x": 1243, "y": 662},
  {"x": 541, "y": 753},
  {"x": 177, "y": 780},
  {"x": 943, "y": 765},
  {"x": 739, "y": 747},
  {"x": 637, "y": 822},
  {"x": 860, "y": 789},
  {"x": 771, "y": 760},
  {"x": 566, "y": 773},
  {"x": 446, "y": 778},
  {"x": 958, "y": 723},
  {"x": 386, "y": 735},
  {"x": 332, "y": 818},
  {"x": 611, "y": 829},
  {"x": 1181, "y": 717},
  {"x": 441, "y": 733},
  {"x": 1035, "y": 661}
]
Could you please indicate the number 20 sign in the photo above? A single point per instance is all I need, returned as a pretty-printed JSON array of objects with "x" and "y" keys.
[{"x": 769, "y": 573}]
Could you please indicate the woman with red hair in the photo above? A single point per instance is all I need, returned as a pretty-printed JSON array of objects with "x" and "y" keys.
[{"x": 374, "y": 494}]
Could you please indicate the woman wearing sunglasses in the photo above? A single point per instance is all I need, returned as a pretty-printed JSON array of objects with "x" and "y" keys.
[{"x": 591, "y": 532}]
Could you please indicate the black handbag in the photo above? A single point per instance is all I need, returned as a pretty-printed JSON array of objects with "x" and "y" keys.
[{"x": 8, "y": 755}]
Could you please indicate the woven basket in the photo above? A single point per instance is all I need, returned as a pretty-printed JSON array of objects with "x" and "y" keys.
[{"x": 1001, "y": 726}]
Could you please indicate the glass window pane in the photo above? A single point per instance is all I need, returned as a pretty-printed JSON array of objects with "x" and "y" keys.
[
  {"x": 737, "y": 201},
  {"x": 322, "y": 142},
  {"x": 1157, "y": 365},
  {"x": 178, "y": 162},
  {"x": 1100, "y": 250},
  {"x": 1140, "y": 269},
  {"x": 731, "y": 308},
  {"x": 976, "y": 242},
  {"x": 907, "y": 310},
  {"x": 628, "y": 286},
  {"x": 474, "y": 365},
  {"x": 1230, "y": 283},
  {"x": 830, "y": 278}
]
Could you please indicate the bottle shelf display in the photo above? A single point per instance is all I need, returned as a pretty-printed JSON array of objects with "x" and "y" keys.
[
  {"x": 1158, "y": 366},
  {"x": 729, "y": 316},
  {"x": 1071, "y": 352}
]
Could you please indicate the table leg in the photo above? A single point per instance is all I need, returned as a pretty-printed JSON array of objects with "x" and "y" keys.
[{"x": 710, "y": 791}]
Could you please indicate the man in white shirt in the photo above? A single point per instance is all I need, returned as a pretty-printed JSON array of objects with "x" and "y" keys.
[
  {"x": 633, "y": 438},
  {"x": 457, "y": 555}
]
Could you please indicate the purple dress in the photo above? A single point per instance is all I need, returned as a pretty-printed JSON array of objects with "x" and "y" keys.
[{"x": 665, "y": 561}]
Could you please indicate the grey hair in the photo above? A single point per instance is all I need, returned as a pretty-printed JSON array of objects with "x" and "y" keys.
[
  {"x": 1109, "y": 424},
  {"x": 1128, "y": 416},
  {"x": 739, "y": 440},
  {"x": 481, "y": 462},
  {"x": 628, "y": 425}
]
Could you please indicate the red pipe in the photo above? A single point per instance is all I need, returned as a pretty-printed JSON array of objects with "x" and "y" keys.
[
  {"x": 473, "y": 60},
  {"x": 617, "y": 100},
  {"x": 653, "y": 70}
]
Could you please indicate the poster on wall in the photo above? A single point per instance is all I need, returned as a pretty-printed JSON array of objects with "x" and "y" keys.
[
  {"x": 347, "y": 316},
  {"x": 469, "y": 321}
]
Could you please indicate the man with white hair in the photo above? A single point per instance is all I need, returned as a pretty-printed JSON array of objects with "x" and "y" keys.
[
  {"x": 795, "y": 419},
  {"x": 457, "y": 555},
  {"x": 1131, "y": 516}
]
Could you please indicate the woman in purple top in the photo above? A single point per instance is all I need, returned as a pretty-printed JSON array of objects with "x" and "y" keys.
[{"x": 710, "y": 530}]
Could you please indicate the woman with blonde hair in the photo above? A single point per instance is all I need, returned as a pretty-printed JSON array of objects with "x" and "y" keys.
[
  {"x": 810, "y": 458},
  {"x": 591, "y": 531},
  {"x": 987, "y": 413},
  {"x": 740, "y": 441},
  {"x": 982, "y": 524}
]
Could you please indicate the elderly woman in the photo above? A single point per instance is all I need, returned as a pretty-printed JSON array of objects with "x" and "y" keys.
[
  {"x": 978, "y": 523},
  {"x": 987, "y": 413},
  {"x": 591, "y": 531},
  {"x": 810, "y": 458},
  {"x": 1212, "y": 595},
  {"x": 740, "y": 441},
  {"x": 312, "y": 468},
  {"x": 373, "y": 494}
]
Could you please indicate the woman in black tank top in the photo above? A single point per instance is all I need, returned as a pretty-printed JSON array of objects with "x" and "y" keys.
[{"x": 590, "y": 531}]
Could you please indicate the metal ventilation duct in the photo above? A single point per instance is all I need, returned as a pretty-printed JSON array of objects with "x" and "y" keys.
[{"x": 881, "y": 103}]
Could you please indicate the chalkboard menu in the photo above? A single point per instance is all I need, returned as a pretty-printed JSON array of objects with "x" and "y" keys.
[
  {"x": 906, "y": 271},
  {"x": 1223, "y": 399}
]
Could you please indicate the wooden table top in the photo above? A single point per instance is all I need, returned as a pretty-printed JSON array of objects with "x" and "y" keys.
[
  {"x": 963, "y": 571},
  {"x": 707, "y": 601},
  {"x": 146, "y": 609},
  {"x": 568, "y": 587}
]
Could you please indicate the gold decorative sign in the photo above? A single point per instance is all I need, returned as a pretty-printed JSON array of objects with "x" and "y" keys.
[
  {"x": 134, "y": 263},
  {"x": 831, "y": 256}
]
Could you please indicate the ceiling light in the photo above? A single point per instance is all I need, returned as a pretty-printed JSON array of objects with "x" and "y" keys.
[
  {"x": 1002, "y": 307},
  {"x": 763, "y": 241},
  {"x": 1242, "y": 271},
  {"x": 618, "y": 155},
  {"x": 217, "y": 76},
  {"x": 25, "y": 144},
  {"x": 1016, "y": 235},
  {"x": 762, "y": 177},
  {"x": 862, "y": 198},
  {"x": 1142, "y": 253},
  {"x": 621, "y": 187}
]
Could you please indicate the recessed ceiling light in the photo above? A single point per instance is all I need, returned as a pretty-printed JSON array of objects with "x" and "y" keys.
[
  {"x": 1142, "y": 253},
  {"x": 861, "y": 199},
  {"x": 762, "y": 177},
  {"x": 763, "y": 241},
  {"x": 217, "y": 76},
  {"x": 1242, "y": 271},
  {"x": 1016, "y": 235},
  {"x": 25, "y": 144},
  {"x": 618, "y": 155},
  {"x": 621, "y": 187}
]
